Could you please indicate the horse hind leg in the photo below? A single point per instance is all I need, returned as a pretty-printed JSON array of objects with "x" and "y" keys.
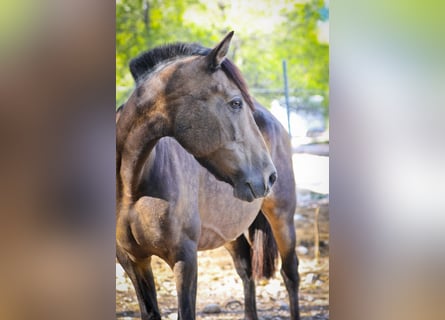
[
  {"x": 281, "y": 221},
  {"x": 141, "y": 276},
  {"x": 289, "y": 272},
  {"x": 239, "y": 249}
]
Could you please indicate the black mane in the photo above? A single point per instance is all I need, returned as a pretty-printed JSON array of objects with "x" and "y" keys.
[{"x": 148, "y": 60}]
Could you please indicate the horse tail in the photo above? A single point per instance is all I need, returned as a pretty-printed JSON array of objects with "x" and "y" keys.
[{"x": 264, "y": 248}]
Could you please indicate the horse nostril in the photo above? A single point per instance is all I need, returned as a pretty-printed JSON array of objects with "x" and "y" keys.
[
  {"x": 249, "y": 185},
  {"x": 272, "y": 178}
]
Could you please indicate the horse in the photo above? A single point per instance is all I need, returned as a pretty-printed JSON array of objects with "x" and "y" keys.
[{"x": 201, "y": 165}]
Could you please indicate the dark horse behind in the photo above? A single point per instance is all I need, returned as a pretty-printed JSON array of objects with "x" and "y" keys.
[{"x": 201, "y": 165}]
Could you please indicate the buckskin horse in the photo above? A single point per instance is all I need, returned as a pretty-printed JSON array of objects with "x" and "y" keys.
[{"x": 194, "y": 172}]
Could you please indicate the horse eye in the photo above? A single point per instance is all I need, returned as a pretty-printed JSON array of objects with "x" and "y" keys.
[{"x": 236, "y": 104}]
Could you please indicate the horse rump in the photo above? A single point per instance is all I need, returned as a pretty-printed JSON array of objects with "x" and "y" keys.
[{"x": 263, "y": 248}]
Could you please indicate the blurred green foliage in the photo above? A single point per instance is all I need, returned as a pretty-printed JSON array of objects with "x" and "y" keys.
[{"x": 266, "y": 32}]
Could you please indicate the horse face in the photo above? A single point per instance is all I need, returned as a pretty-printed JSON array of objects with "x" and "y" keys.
[{"x": 216, "y": 125}]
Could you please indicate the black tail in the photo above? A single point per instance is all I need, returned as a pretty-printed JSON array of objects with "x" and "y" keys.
[{"x": 264, "y": 248}]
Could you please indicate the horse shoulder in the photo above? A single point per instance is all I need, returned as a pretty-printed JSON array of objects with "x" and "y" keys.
[{"x": 149, "y": 222}]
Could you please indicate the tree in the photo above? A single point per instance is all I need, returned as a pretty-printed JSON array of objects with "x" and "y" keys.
[
  {"x": 266, "y": 33},
  {"x": 307, "y": 57}
]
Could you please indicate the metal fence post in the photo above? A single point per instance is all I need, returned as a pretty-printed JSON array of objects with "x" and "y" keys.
[{"x": 286, "y": 95}]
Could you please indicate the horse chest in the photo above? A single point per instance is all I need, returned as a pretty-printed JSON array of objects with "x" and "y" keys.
[{"x": 224, "y": 218}]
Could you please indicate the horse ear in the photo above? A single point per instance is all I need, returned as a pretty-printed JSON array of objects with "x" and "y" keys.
[{"x": 218, "y": 54}]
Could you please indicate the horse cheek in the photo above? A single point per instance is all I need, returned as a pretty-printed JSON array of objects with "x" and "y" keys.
[
  {"x": 211, "y": 132},
  {"x": 183, "y": 128},
  {"x": 197, "y": 132}
]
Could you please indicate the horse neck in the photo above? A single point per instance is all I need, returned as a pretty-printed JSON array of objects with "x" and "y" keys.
[{"x": 137, "y": 132}]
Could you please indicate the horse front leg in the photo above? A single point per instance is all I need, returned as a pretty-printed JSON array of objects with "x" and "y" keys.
[
  {"x": 185, "y": 269},
  {"x": 240, "y": 252},
  {"x": 141, "y": 276}
]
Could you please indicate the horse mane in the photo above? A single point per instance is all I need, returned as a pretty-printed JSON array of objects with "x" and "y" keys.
[{"x": 146, "y": 62}]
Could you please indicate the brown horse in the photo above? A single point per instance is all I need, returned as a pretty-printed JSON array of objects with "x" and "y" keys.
[{"x": 170, "y": 205}]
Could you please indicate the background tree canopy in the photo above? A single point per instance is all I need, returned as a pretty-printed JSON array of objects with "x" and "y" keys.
[{"x": 266, "y": 32}]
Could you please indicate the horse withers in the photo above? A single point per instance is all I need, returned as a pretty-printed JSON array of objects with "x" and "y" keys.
[{"x": 194, "y": 171}]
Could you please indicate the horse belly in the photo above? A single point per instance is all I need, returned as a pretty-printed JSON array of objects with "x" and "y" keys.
[{"x": 224, "y": 217}]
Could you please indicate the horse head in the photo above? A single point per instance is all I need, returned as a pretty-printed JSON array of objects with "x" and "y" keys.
[{"x": 214, "y": 122}]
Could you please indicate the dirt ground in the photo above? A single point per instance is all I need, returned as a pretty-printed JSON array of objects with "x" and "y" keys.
[{"x": 220, "y": 294}]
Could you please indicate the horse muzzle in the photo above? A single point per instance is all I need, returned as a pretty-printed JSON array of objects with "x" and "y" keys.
[{"x": 250, "y": 188}]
